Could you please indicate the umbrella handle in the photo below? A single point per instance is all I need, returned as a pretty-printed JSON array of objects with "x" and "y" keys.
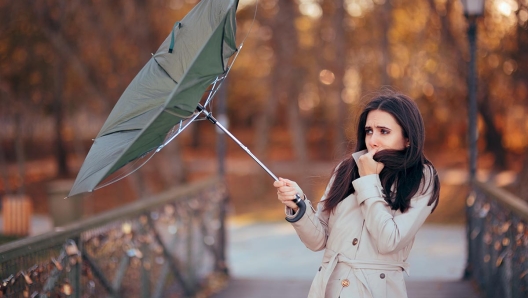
[{"x": 302, "y": 209}]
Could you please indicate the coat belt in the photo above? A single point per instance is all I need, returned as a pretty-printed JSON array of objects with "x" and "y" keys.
[{"x": 361, "y": 264}]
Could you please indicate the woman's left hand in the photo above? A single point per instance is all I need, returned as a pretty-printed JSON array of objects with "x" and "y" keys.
[{"x": 286, "y": 191}]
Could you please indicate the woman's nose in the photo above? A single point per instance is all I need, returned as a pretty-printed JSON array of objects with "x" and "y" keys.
[{"x": 373, "y": 141}]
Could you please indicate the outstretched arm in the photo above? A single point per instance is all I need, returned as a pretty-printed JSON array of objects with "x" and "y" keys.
[{"x": 312, "y": 227}]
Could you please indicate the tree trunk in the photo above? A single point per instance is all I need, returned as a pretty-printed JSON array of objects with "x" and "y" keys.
[
  {"x": 284, "y": 89},
  {"x": 171, "y": 165},
  {"x": 138, "y": 182},
  {"x": 20, "y": 154},
  {"x": 266, "y": 118},
  {"x": 339, "y": 66},
  {"x": 335, "y": 41},
  {"x": 523, "y": 181},
  {"x": 385, "y": 23},
  {"x": 492, "y": 136},
  {"x": 286, "y": 49},
  {"x": 5, "y": 171},
  {"x": 61, "y": 155}
]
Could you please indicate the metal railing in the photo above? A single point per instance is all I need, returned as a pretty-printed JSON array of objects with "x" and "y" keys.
[
  {"x": 498, "y": 241},
  {"x": 170, "y": 245}
]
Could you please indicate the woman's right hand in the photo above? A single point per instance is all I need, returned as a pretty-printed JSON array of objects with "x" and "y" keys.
[
  {"x": 286, "y": 191},
  {"x": 367, "y": 165}
]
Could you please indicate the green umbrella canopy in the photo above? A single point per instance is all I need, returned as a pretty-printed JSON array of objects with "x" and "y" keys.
[{"x": 165, "y": 92}]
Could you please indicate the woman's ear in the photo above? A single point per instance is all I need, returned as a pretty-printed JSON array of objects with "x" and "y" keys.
[{"x": 407, "y": 143}]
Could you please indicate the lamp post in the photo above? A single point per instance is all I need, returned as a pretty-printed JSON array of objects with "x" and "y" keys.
[{"x": 473, "y": 9}]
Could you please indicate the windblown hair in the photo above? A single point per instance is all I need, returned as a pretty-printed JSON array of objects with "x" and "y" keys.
[{"x": 404, "y": 170}]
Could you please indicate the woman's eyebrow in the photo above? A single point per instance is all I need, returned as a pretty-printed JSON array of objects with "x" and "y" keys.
[{"x": 377, "y": 126}]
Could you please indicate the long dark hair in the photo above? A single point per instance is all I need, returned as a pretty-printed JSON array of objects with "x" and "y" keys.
[{"x": 403, "y": 170}]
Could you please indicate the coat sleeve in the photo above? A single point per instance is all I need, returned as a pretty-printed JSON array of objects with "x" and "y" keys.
[
  {"x": 312, "y": 228},
  {"x": 392, "y": 233}
]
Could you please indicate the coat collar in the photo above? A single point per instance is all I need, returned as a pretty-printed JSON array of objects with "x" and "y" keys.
[{"x": 356, "y": 155}]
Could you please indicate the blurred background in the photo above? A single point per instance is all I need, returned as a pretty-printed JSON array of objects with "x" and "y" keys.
[{"x": 292, "y": 96}]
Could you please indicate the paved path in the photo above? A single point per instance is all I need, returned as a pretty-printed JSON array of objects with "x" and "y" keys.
[
  {"x": 268, "y": 260},
  {"x": 268, "y": 288}
]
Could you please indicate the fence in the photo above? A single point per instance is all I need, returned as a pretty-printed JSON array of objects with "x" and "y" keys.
[
  {"x": 498, "y": 241},
  {"x": 170, "y": 245}
]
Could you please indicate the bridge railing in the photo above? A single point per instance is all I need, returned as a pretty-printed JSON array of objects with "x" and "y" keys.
[
  {"x": 498, "y": 241},
  {"x": 169, "y": 245}
]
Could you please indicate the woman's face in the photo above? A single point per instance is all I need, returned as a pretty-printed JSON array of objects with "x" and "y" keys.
[{"x": 383, "y": 132}]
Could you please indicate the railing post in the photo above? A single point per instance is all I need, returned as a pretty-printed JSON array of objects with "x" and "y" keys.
[
  {"x": 516, "y": 259},
  {"x": 221, "y": 262},
  {"x": 190, "y": 253},
  {"x": 77, "y": 269},
  {"x": 470, "y": 202},
  {"x": 145, "y": 263}
]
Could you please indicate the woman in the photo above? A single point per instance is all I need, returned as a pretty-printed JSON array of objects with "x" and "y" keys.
[{"x": 374, "y": 204}]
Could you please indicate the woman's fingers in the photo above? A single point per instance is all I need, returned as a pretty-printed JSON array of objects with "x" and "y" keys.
[
  {"x": 367, "y": 165},
  {"x": 291, "y": 186},
  {"x": 286, "y": 191}
]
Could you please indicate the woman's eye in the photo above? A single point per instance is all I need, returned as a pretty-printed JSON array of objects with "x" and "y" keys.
[
  {"x": 385, "y": 132},
  {"x": 368, "y": 131}
]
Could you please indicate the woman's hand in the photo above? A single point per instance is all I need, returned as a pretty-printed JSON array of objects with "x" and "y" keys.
[
  {"x": 367, "y": 165},
  {"x": 286, "y": 191}
]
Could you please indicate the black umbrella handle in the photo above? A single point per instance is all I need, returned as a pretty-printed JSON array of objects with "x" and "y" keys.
[
  {"x": 300, "y": 212},
  {"x": 300, "y": 203}
]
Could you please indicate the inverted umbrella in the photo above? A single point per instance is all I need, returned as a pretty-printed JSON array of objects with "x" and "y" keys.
[{"x": 165, "y": 95}]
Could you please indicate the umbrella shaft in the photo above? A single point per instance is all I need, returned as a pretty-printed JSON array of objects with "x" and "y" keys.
[
  {"x": 214, "y": 121},
  {"x": 298, "y": 200}
]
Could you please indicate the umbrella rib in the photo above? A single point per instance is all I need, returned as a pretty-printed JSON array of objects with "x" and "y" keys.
[
  {"x": 127, "y": 174},
  {"x": 164, "y": 70},
  {"x": 178, "y": 115},
  {"x": 180, "y": 129}
]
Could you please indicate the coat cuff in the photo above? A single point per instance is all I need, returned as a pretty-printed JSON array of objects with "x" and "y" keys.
[
  {"x": 290, "y": 213},
  {"x": 309, "y": 215},
  {"x": 367, "y": 187}
]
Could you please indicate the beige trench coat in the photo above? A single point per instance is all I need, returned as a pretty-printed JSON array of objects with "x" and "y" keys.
[{"x": 366, "y": 243}]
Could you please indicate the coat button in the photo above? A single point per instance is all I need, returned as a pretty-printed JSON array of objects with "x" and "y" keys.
[
  {"x": 345, "y": 283},
  {"x": 355, "y": 241},
  {"x": 382, "y": 276}
]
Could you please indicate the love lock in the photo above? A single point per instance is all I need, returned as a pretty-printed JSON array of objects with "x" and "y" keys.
[
  {"x": 26, "y": 278},
  {"x": 71, "y": 248},
  {"x": 57, "y": 264},
  {"x": 73, "y": 252},
  {"x": 134, "y": 252}
]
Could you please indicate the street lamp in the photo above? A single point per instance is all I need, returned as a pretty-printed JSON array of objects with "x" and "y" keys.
[{"x": 473, "y": 9}]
